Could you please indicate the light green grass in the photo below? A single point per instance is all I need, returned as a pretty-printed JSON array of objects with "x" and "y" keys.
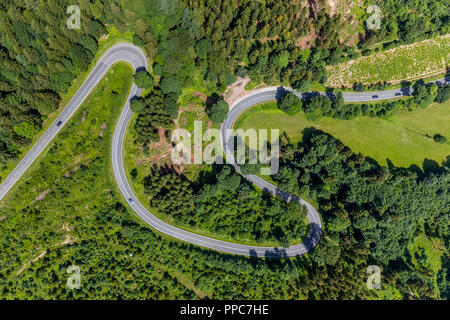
[
  {"x": 433, "y": 248},
  {"x": 408, "y": 62},
  {"x": 388, "y": 293},
  {"x": 430, "y": 250},
  {"x": 401, "y": 138}
]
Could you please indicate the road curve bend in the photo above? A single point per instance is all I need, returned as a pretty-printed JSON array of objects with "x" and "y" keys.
[{"x": 133, "y": 55}]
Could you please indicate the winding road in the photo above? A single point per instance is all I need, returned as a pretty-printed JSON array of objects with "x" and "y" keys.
[{"x": 136, "y": 58}]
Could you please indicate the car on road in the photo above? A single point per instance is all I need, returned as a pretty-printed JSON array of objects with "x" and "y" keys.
[
  {"x": 375, "y": 97},
  {"x": 397, "y": 94},
  {"x": 130, "y": 200},
  {"x": 59, "y": 124}
]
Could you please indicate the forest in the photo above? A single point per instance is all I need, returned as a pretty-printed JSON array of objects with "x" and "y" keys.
[
  {"x": 372, "y": 214},
  {"x": 39, "y": 58},
  {"x": 227, "y": 206}
]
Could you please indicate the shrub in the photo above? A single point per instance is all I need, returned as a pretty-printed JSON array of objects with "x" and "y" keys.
[
  {"x": 290, "y": 104},
  {"x": 439, "y": 138},
  {"x": 137, "y": 105},
  {"x": 443, "y": 94},
  {"x": 218, "y": 111},
  {"x": 143, "y": 79}
]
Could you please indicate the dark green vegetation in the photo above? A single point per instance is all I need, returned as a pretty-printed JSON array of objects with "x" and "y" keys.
[
  {"x": 218, "y": 111},
  {"x": 82, "y": 220},
  {"x": 443, "y": 94},
  {"x": 423, "y": 96},
  {"x": 225, "y": 205},
  {"x": 219, "y": 40},
  {"x": 143, "y": 79},
  {"x": 406, "y": 22},
  {"x": 156, "y": 109},
  {"x": 39, "y": 58},
  {"x": 439, "y": 138},
  {"x": 112, "y": 247},
  {"x": 290, "y": 104},
  {"x": 371, "y": 212},
  {"x": 185, "y": 40}
]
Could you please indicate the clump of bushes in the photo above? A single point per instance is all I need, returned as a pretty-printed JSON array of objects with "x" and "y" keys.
[
  {"x": 290, "y": 104},
  {"x": 439, "y": 138}
]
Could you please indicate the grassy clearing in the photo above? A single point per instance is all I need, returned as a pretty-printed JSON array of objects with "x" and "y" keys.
[
  {"x": 426, "y": 254},
  {"x": 400, "y": 138},
  {"x": 408, "y": 62},
  {"x": 433, "y": 249},
  {"x": 113, "y": 38}
]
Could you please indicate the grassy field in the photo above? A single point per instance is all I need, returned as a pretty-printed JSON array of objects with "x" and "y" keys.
[
  {"x": 408, "y": 62},
  {"x": 400, "y": 138},
  {"x": 430, "y": 250}
]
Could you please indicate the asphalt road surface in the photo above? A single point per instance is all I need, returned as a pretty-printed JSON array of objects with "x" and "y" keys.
[{"x": 137, "y": 59}]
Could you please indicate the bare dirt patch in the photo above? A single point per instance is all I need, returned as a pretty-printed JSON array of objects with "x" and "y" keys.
[
  {"x": 102, "y": 129},
  {"x": 200, "y": 94},
  {"x": 306, "y": 42},
  {"x": 236, "y": 90},
  {"x": 42, "y": 195},
  {"x": 332, "y": 6},
  {"x": 68, "y": 240}
]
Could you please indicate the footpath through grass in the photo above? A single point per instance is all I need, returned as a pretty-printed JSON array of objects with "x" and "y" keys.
[
  {"x": 407, "y": 62},
  {"x": 401, "y": 138}
]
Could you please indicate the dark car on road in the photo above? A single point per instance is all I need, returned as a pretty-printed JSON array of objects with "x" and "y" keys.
[
  {"x": 374, "y": 97},
  {"x": 59, "y": 123}
]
